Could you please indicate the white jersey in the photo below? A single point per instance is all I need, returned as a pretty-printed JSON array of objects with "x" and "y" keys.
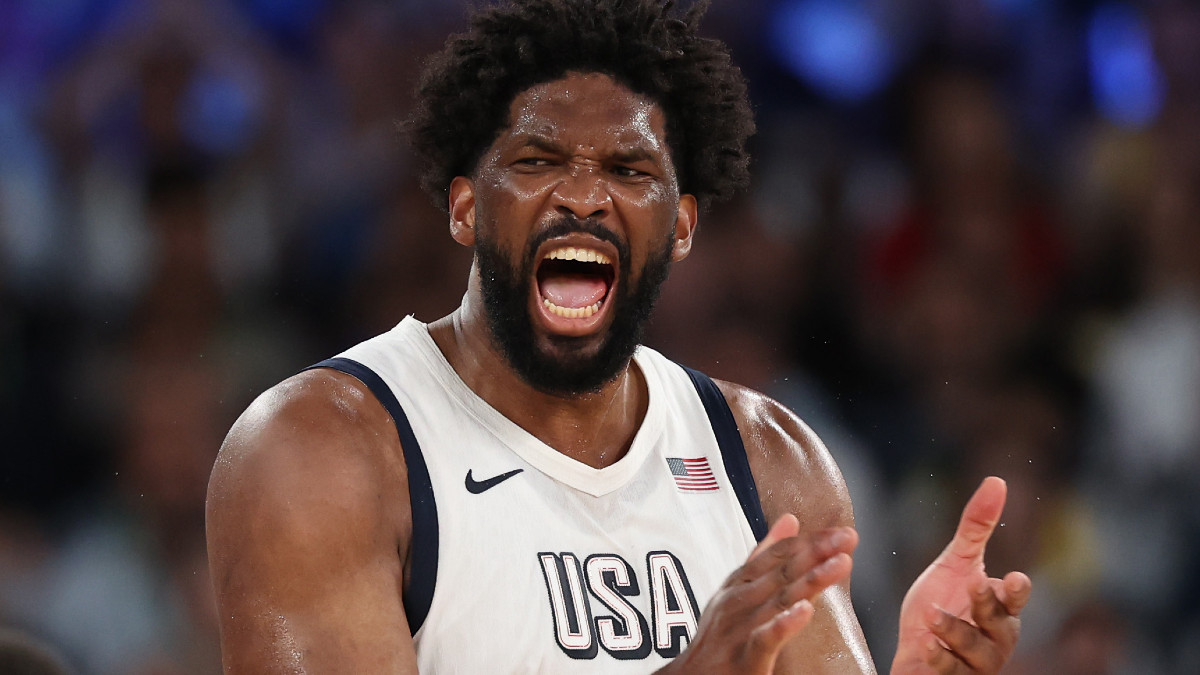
[{"x": 525, "y": 560}]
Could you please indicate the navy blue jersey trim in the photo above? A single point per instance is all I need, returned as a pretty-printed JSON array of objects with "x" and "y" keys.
[
  {"x": 424, "y": 550},
  {"x": 733, "y": 451}
]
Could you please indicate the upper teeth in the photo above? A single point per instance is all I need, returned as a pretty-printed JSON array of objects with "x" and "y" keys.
[{"x": 580, "y": 254}]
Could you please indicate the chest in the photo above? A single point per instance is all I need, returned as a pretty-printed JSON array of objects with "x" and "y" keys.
[{"x": 547, "y": 577}]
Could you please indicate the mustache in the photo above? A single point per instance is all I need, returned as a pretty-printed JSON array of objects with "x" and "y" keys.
[{"x": 565, "y": 224}]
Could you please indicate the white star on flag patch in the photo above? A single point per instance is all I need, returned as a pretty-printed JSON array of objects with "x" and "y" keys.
[{"x": 692, "y": 474}]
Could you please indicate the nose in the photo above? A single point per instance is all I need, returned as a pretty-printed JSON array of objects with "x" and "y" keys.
[{"x": 582, "y": 192}]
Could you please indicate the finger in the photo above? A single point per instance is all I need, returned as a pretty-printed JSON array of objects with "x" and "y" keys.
[
  {"x": 979, "y": 519},
  {"x": 986, "y": 608},
  {"x": 767, "y": 639},
  {"x": 967, "y": 642},
  {"x": 942, "y": 660},
  {"x": 769, "y": 594},
  {"x": 785, "y": 526},
  {"x": 795, "y": 555},
  {"x": 999, "y": 628},
  {"x": 833, "y": 570},
  {"x": 757, "y": 598},
  {"x": 1015, "y": 591}
]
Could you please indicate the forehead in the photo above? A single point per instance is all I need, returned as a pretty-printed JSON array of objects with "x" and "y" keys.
[{"x": 587, "y": 109}]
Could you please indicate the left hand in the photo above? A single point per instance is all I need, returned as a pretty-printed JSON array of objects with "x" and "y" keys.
[{"x": 954, "y": 619}]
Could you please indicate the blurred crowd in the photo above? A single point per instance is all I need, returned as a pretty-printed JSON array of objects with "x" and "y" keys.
[{"x": 970, "y": 269}]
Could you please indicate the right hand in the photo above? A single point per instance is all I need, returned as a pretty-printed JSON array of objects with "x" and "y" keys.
[
  {"x": 954, "y": 619},
  {"x": 768, "y": 600}
]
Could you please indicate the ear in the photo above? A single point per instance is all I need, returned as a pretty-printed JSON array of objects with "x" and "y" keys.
[
  {"x": 685, "y": 227},
  {"x": 462, "y": 210}
]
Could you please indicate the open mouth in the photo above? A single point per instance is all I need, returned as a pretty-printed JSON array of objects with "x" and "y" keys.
[{"x": 574, "y": 282}]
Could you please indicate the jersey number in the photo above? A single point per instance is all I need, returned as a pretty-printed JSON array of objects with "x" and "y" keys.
[{"x": 617, "y": 626}]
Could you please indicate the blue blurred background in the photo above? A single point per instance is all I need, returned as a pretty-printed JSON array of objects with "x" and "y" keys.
[{"x": 972, "y": 247}]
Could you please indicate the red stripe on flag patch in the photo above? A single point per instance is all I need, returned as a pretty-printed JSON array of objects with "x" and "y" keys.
[{"x": 692, "y": 474}]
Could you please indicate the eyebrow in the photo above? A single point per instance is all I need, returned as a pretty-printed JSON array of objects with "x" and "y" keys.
[
  {"x": 634, "y": 154},
  {"x": 541, "y": 143},
  {"x": 630, "y": 154}
]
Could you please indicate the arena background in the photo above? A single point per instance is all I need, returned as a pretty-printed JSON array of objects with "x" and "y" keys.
[{"x": 972, "y": 247}]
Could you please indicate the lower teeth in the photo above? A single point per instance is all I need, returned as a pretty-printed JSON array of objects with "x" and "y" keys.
[{"x": 572, "y": 312}]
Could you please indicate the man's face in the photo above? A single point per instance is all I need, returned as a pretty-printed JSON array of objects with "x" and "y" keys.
[{"x": 575, "y": 215}]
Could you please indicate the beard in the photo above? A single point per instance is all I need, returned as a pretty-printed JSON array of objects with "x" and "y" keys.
[{"x": 570, "y": 368}]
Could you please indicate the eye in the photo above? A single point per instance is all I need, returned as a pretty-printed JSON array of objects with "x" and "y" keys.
[
  {"x": 533, "y": 161},
  {"x": 626, "y": 172}
]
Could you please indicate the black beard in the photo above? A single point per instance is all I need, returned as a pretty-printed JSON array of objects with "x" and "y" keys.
[{"x": 569, "y": 372}]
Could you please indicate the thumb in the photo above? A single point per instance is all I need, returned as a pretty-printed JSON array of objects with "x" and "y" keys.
[{"x": 979, "y": 519}]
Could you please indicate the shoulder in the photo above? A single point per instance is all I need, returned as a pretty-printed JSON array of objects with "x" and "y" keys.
[
  {"x": 794, "y": 471},
  {"x": 308, "y": 527},
  {"x": 307, "y": 453},
  {"x": 317, "y": 421}
]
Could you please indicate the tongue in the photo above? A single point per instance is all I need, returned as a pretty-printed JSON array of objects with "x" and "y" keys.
[{"x": 573, "y": 290}]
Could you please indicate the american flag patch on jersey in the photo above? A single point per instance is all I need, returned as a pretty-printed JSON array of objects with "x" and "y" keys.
[{"x": 692, "y": 475}]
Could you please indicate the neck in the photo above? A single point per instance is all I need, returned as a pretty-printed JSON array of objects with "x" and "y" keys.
[{"x": 595, "y": 428}]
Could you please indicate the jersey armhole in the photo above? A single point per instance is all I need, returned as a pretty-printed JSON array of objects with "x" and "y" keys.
[
  {"x": 419, "y": 594},
  {"x": 733, "y": 451}
]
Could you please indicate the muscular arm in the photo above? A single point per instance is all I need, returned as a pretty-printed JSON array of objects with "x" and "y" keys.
[
  {"x": 795, "y": 474},
  {"x": 308, "y": 527},
  {"x": 954, "y": 618}
]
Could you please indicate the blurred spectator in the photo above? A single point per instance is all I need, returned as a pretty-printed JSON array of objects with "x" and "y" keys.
[
  {"x": 1093, "y": 640},
  {"x": 1144, "y": 458},
  {"x": 954, "y": 289},
  {"x": 125, "y": 587},
  {"x": 22, "y": 655}
]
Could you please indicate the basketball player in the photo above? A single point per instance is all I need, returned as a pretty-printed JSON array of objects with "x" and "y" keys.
[{"x": 519, "y": 486}]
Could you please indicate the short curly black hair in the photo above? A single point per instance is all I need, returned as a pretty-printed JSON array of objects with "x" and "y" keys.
[{"x": 465, "y": 91}]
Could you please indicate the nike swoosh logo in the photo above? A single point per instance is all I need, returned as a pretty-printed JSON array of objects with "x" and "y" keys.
[{"x": 477, "y": 486}]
